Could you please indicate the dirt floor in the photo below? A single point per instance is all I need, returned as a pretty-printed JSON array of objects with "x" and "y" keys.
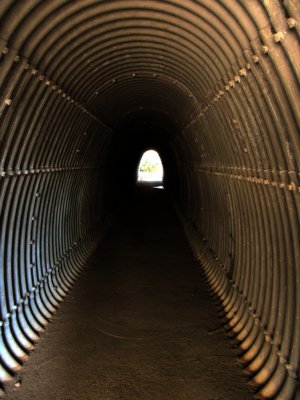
[{"x": 139, "y": 324}]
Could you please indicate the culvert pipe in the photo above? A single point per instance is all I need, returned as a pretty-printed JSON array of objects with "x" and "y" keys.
[{"x": 214, "y": 86}]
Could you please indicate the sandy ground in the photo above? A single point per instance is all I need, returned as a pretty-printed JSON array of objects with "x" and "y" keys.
[{"x": 139, "y": 324}]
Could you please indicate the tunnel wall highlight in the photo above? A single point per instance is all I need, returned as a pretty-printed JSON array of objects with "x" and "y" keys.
[{"x": 217, "y": 82}]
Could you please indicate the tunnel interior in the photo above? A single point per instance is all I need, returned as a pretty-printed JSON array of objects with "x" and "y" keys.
[{"x": 213, "y": 86}]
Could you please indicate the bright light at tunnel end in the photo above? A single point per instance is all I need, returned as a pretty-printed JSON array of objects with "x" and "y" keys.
[{"x": 150, "y": 168}]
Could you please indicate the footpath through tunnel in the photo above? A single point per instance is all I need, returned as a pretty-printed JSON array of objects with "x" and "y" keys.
[
  {"x": 139, "y": 323},
  {"x": 213, "y": 86}
]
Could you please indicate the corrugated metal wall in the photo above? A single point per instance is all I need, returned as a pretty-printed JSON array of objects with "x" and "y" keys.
[{"x": 217, "y": 84}]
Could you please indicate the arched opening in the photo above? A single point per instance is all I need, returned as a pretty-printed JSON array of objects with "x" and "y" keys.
[
  {"x": 150, "y": 168},
  {"x": 86, "y": 87}
]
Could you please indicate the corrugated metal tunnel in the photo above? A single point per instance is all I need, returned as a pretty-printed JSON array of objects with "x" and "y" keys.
[{"x": 87, "y": 86}]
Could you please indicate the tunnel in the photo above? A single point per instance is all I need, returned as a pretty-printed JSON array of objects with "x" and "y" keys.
[{"x": 213, "y": 86}]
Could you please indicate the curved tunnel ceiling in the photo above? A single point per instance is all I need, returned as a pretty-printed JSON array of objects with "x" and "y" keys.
[{"x": 213, "y": 85}]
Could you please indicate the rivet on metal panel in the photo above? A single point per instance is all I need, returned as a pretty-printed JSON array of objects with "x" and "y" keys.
[
  {"x": 265, "y": 49},
  {"x": 243, "y": 72},
  {"x": 8, "y": 102},
  {"x": 291, "y": 23},
  {"x": 267, "y": 337},
  {"x": 278, "y": 36},
  {"x": 291, "y": 371},
  {"x": 255, "y": 58}
]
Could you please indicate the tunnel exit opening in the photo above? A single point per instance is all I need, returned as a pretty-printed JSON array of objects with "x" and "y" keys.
[{"x": 150, "y": 168}]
